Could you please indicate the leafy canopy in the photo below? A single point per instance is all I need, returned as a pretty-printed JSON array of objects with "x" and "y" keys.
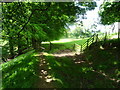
[{"x": 110, "y": 13}]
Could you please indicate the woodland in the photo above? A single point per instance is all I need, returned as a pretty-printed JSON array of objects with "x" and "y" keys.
[{"x": 39, "y": 51}]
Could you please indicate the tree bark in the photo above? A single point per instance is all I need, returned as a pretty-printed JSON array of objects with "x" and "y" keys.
[
  {"x": 19, "y": 45},
  {"x": 118, "y": 30},
  {"x": 27, "y": 42},
  {"x": 11, "y": 47},
  {"x": 118, "y": 34},
  {"x": 50, "y": 45}
]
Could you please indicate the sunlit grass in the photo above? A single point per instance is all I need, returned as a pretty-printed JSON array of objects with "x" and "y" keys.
[
  {"x": 63, "y": 44},
  {"x": 62, "y": 41},
  {"x": 20, "y": 72}
]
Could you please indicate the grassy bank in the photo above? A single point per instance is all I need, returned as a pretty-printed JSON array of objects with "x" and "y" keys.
[{"x": 20, "y": 72}]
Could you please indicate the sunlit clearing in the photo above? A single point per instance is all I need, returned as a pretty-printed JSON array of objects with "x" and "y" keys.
[{"x": 62, "y": 41}]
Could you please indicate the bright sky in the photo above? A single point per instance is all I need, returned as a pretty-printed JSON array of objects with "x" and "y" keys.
[{"x": 92, "y": 17}]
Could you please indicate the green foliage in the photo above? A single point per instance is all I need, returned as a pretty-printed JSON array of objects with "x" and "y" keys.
[
  {"x": 20, "y": 72},
  {"x": 80, "y": 33},
  {"x": 39, "y": 34},
  {"x": 110, "y": 13},
  {"x": 33, "y": 22}
]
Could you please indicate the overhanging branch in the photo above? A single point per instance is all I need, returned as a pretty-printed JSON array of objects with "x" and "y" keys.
[{"x": 31, "y": 16}]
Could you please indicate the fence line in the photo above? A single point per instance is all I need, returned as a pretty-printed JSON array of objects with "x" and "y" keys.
[{"x": 95, "y": 38}]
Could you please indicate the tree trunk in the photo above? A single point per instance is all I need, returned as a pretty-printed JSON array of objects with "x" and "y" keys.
[
  {"x": 118, "y": 34},
  {"x": 27, "y": 42},
  {"x": 19, "y": 45},
  {"x": 11, "y": 47},
  {"x": 50, "y": 45},
  {"x": 34, "y": 43},
  {"x": 105, "y": 36},
  {"x": 118, "y": 30}
]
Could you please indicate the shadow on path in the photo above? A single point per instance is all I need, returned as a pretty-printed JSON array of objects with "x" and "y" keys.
[{"x": 64, "y": 69}]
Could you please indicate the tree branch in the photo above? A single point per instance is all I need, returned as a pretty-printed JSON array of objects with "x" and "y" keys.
[{"x": 31, "y": 16}]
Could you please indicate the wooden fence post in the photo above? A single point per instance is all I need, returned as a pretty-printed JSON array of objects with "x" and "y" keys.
[
  {"x": 87, "y": 43},
  {"x": 50, "y": 47},
  {"x": 96, "y": 38},
  {"x": 119, "y": 34}
]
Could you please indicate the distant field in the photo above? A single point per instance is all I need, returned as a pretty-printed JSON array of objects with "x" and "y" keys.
[
  {"x": 62, "y": 44},
  {"x": 62, "y": 41}
]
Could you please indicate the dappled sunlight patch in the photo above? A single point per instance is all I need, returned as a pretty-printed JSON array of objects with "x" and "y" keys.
[
  {"x": 115, "y": 62},
  {"x": 30, "y": 63},
  {"x": 43, "y": 72},
  {"x": 105, "y": 75},
  {"x": 64, "y": 54},
  {"x": 45, "y": 79},
  {"x": 81, "y": 71},
  {"x": 79, "y": 62},
  {"x": 101, "y": 48},
  {"x": 42, "y": 62},
  {"x": 49, "y": 78},
  {"x": 45, "y": 76}
]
